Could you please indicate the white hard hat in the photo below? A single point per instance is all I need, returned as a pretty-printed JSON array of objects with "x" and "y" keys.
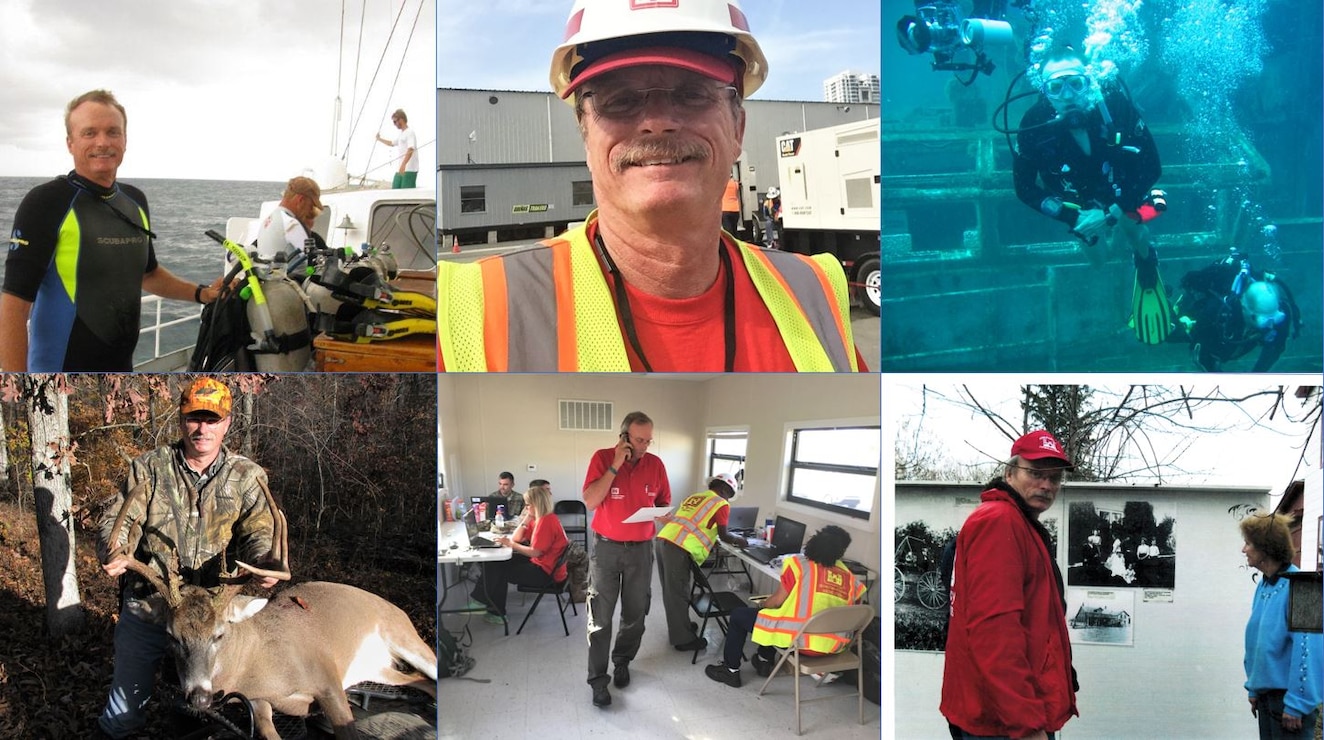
[
  {"x": 693, "y": 30},
  {"x": 773, "y": 192},
  {"x": 727, "y": 479}
]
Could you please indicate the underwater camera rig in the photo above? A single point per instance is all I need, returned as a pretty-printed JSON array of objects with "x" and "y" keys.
[{"x": 938, "y": 28}]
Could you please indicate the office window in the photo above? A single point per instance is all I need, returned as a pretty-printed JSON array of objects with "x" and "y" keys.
[
  {"x": 473, "y": 198},
  {"x": 726, "y": 453},
  {"x": 581, "y": 193},
  {"x": 835, "y": 468}
]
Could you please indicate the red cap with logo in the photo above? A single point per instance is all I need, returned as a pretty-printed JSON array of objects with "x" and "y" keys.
[{"x": 1040, "y": 445}]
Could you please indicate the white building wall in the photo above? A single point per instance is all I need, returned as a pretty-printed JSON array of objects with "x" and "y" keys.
[
  {"x": 1182, "y": 678},
  {"x": 1310, "y": 520}
]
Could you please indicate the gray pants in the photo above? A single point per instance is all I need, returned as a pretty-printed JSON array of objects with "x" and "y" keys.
[
  {"x": 624, "y": 571},
  {"x": 673, "y": 571}
]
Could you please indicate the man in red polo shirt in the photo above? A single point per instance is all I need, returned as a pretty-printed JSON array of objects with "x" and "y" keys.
[{"x": 620, "y": 481}]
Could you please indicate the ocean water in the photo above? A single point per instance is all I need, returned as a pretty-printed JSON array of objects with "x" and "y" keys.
[
  {"x": 976, "y": 280},
  {"x": 181, "y": 212}
]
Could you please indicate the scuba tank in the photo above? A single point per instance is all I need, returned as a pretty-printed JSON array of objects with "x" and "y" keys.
[
  {"x": 277, "y": 315},
  {"x": 287, "y": 316}
]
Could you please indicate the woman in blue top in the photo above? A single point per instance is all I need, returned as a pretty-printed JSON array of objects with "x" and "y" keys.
[{"x": 1282, "y": 667}]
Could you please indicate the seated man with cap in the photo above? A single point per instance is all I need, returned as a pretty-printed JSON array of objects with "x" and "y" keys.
[
  {"x": 651, "y": 282},
  {"x": 282, "y": 235}
]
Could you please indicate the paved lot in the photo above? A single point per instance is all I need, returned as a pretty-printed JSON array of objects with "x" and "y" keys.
[{"x": 867, "y": 329}]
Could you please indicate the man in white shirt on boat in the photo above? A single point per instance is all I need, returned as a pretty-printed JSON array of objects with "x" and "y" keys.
[
  {"x": 406, "y": 175},
  {"x": 282, "y": 235}
]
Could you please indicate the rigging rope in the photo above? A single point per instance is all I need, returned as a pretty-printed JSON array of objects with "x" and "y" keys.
[{"x": 371, "y": 83}]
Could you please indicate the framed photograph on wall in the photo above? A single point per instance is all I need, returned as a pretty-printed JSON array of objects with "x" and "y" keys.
[{"x": 1101, "y": 617}]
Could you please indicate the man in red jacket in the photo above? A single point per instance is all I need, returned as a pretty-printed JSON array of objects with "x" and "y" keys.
[{"x": 1008, "y": 667}]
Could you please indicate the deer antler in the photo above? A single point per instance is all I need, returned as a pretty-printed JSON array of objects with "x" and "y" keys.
[
  {"x": 169, "y": 592},
  {"x": 280, "y": 543}
]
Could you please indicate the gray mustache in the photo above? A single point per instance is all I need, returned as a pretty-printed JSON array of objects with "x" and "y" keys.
[{"x": 647, "y": 150}]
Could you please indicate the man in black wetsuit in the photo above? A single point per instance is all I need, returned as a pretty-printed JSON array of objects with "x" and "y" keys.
[
  {"x": 1229, "y": 309},
  {"x": 80, "y": 256},
  {"x": 1085, "y": 157},
  {"x": 1082, "y": 149}
]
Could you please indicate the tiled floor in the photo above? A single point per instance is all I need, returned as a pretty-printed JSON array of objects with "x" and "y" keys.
[{"x": 536, "y": 687}]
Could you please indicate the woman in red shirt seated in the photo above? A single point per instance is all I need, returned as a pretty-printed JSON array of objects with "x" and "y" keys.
[{"x": 538, "y": 541}]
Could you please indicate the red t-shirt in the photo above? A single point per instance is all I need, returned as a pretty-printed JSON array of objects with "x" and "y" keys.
[
  {"x": 689, "y": 334},
  {"x": 549, "y": 538},
  {"x": 638, "y": 483}
]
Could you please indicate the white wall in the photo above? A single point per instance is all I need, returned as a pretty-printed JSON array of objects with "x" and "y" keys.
[
  {"x": 492, "y": 423},
  {"x": 766, "y": 403},
  {"x": 507, "y": 422},
  {"x": 1182, "y": 678}
]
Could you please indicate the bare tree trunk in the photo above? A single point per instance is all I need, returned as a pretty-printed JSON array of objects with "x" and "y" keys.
[
  {"x": 48, "y": 420},
  {"x": 5, "y": 472},
  {"x": 246, "y": 403}
]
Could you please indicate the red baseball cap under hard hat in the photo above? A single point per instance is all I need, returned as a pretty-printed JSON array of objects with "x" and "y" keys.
[
  {"x": 1040, "y": 445},
  {"x": 667, "y": 56}
]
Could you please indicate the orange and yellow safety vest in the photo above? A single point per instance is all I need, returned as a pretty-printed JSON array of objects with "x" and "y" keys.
[
  {"x": 549, "y": 308},
  {"x": 693, "y": 527},
  {"x": 816, "y": 588}
]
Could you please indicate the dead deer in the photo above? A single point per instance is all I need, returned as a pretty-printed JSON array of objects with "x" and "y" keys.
[{"x": 308, "y": 643}]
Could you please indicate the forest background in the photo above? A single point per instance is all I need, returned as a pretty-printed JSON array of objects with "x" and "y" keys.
[{"x": 351, "y": 459}]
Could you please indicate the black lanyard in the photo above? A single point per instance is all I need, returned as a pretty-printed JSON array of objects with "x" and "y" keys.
[{"x": 627, "y": 318}]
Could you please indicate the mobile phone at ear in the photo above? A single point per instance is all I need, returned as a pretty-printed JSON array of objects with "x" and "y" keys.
[{"x": 629, "y": 449}]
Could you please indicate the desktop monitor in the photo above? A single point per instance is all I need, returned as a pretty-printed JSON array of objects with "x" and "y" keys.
[
  {"x": 743, "y": 517},
  {"x": 788, "y": 535}
]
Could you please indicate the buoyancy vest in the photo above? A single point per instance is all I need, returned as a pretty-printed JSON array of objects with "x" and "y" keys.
[
  {"x": 816, "y": 588},
  {"x": 497, "y": 314},
  {"x": 694, "y": 528}
]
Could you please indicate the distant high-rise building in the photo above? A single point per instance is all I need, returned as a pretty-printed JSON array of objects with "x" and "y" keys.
[{"x": 849, "y": 87}]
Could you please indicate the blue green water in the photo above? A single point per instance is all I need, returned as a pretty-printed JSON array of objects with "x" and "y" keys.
[{"x": 976, "y": 280}]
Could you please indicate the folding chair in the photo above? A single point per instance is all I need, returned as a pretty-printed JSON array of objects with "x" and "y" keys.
[
  {"x": 573, "y": 508},
  {"x": 839, "y": 620},
  {"x": 556, "y": 589},
  {"x": 708, "y": 604},
  {"x": 718, "y": 565}
]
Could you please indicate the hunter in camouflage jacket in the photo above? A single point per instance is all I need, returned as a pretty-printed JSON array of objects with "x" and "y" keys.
[{"x": 209, "y": 519}]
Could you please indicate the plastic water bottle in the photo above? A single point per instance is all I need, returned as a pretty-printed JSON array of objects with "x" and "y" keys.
[{"x": 500, "y": 521}]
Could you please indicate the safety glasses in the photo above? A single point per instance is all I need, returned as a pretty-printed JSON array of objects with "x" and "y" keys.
[{"x": 624, "y": 104}]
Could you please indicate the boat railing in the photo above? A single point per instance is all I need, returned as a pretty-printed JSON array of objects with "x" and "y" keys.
[{"x": 168, "y": 352}]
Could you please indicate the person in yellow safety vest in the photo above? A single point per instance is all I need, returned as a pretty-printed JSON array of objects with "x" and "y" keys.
[
  {"x": 731, "y": 207},
  {"x": 690, "y": 534},
  {"x": 811, "y": 582},
  {"x": 650, "y": 282}
]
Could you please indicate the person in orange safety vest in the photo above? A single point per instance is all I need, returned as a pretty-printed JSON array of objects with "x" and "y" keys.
[
  {"x": 650, "y": 282},
  {"x": 810, "y": 583},
  {"x": 690, "y": 534}
]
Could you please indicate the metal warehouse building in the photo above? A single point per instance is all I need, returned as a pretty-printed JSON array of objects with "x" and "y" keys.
[{"x": 511, "y": 164}]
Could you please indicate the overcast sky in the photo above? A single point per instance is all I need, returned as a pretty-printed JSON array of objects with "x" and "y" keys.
[
  {"x": 805, "y": 41},
  {"x": 1239, "y": 456},
  {"x": 217, "y": 89}
]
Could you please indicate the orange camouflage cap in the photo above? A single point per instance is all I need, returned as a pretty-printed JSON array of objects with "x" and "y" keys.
[{"x": 206, "y": 394}]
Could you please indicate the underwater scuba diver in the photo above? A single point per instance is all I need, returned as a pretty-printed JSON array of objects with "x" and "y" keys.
[
  {"x": 1227, "y": 310},
  {"x": 1085, "y": 157}
]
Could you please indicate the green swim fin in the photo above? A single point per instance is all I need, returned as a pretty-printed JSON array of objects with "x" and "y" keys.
[{"x": 1151, "y": 315}]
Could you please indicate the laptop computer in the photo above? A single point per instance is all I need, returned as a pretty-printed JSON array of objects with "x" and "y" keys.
[
  {"x": 742, "y": 519},
  {"x": 476, "y": 540},
  {"x": 788, "y": 537}
]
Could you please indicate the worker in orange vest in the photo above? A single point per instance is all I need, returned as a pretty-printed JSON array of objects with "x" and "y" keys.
[
  {"x": 731, "y": 207},
  {"x": 810, "y": 583}
]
